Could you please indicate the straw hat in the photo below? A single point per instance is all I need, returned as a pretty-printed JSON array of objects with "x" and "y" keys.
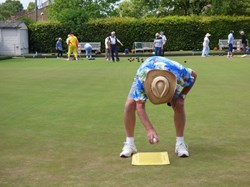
[
  {"x": 160, "y": 86},
  {"x": 208, "y": 34}
]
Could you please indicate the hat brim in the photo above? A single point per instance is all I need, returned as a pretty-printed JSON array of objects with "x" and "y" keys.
[{"x": 172, "y": 86}]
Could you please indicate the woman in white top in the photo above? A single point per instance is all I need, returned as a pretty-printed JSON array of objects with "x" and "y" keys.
[
  {"x": 206, "y": 48},
  {"x": 107, "y": 47}
]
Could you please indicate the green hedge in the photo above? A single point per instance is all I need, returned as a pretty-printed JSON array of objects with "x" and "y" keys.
[
  {"x": 183, "y": 33},
  {"x": 43, "y": 36}
]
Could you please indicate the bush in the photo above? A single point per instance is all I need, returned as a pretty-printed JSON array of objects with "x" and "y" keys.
[{"x": 183, "y": 33}]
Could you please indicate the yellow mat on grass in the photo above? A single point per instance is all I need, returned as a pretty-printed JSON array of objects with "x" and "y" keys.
[{"x": 150, "y": 158}]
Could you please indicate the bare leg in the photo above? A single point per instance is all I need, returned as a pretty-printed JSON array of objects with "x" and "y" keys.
[
  {"x": 179, "y": 119},
  {"x": 130, "y": 117},
  {"x": 129, "y": 123}
]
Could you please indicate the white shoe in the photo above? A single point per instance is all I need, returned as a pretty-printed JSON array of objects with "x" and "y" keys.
[
  {"x": 181, "y": 150},
  {"x": 128, "y": 150},
  {"x": 68, "y": 59}
]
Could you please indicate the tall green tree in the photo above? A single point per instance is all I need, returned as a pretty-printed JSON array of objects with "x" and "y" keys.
[
  {"x": 31, "y": 6},
  {"x": 229, "y": 7},
  {"x": 61, "y": 9},
  {"x": 188, "y": 7},
  {"x": 10, "y": 8},
  {"x": 160, "y": 8}
]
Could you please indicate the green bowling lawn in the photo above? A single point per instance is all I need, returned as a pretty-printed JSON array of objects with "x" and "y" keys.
[{"x": 61, "y": 124}]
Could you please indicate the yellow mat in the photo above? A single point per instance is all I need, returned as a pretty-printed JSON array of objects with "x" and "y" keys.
[{"x": 150, "y": 158}]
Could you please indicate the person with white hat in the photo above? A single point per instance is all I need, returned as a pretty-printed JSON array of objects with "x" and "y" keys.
[
  {"x": 244, "y": 43},
  {"x": 113, "y": 44},
  {"x": 230, "y": 42},
  {"x": 59, "y": 48},
  {"x": 160, "y": 80},
  {"x": 206, "y": 48}
]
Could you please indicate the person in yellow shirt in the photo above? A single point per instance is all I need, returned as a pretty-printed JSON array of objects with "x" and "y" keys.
[{"x": 72, "y": 42}]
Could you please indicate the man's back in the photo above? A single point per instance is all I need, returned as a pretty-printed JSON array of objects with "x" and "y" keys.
[
  {"x": 73, "y": 40},
  {"x": 230, "y": 38}
]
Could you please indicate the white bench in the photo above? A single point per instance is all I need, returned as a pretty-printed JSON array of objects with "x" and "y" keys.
[
  {"x": 96, "y": 46},
  {"x": 237, "y": 44},
  {"x": 143, "y": 46}
]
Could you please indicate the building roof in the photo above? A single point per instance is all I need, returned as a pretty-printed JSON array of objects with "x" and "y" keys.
[{"x": 13, "y": 25}]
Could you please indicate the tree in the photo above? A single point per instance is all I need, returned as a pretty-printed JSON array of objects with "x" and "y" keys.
[
  {"x": 188, "y": 7},
  {"x": 229, "y": 7},
  {"x": 161, "y": 8},
  {"x": 61, "y": 9},
  {"x": 129, "y": 9},
  {"x": 10, "y": 8},
  {"x": 31, "y": 6}
]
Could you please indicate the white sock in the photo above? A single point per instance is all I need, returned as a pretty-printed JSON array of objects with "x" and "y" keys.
[
  {"x": 130, "y": 140},
  {"x": 179, "y": 140}
]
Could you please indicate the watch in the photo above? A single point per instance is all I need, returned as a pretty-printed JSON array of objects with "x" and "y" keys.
[{"x": 183, "y": 96}]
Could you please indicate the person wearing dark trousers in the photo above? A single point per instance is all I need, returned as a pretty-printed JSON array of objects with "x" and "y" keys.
[
  {"x": 59, "y": 48},
  {"x": 158, "y": 44},
  {"x": 113, "y": 45},
  {"x": 244, "y": 43}
]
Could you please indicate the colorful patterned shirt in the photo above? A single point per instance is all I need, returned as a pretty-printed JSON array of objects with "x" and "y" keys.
[{"x": 182, "y": 73}]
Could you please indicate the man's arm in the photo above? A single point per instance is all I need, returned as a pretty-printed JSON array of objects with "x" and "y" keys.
[
  {"x": 119, "y": 41},
  {"x": 179, "y": 102},
  {"x": 151, "y": 133},
  {"x": 76, "y": 43},
  {"x": 186, "y": 89}
]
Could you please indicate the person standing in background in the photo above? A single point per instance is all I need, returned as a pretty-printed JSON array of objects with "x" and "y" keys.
[
  {"x": 59, "y": 48},
  {"x": 72, "y": 46},
  {"x": 244, "y": 43},
  {"x": 107, "y": 47},
  {"x": 158, "y": 44},
  {"x": 164, "y": 40},
  {"x": 230, "y": 44},
  {"x": 113, "y": 44},
  {"x": 206, "y": 48}
]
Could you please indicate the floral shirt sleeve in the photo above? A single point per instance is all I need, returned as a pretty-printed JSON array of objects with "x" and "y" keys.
[{"x": 182, "y": 73}]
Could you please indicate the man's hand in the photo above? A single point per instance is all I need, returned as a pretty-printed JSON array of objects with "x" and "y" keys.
[{"x": 152, "y": 136}]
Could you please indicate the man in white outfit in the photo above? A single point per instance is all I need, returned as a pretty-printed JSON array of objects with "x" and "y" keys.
[
  {"x": 230, "y": 42},
  {"x": 206, "y": 48},
  {"x": 164, "y": 40}
]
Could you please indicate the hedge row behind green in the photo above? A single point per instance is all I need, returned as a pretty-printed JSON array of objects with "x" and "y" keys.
[{"x": 183, "y": 33}]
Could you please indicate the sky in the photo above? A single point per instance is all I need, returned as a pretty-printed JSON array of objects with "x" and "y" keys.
[{"x": 24, "y": 2}]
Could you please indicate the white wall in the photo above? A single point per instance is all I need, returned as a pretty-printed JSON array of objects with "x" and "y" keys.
[
  {"x": 9, "y": 42},
  {"x": 24, "y": 42},
  {"x": 13, "y": 41}
]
